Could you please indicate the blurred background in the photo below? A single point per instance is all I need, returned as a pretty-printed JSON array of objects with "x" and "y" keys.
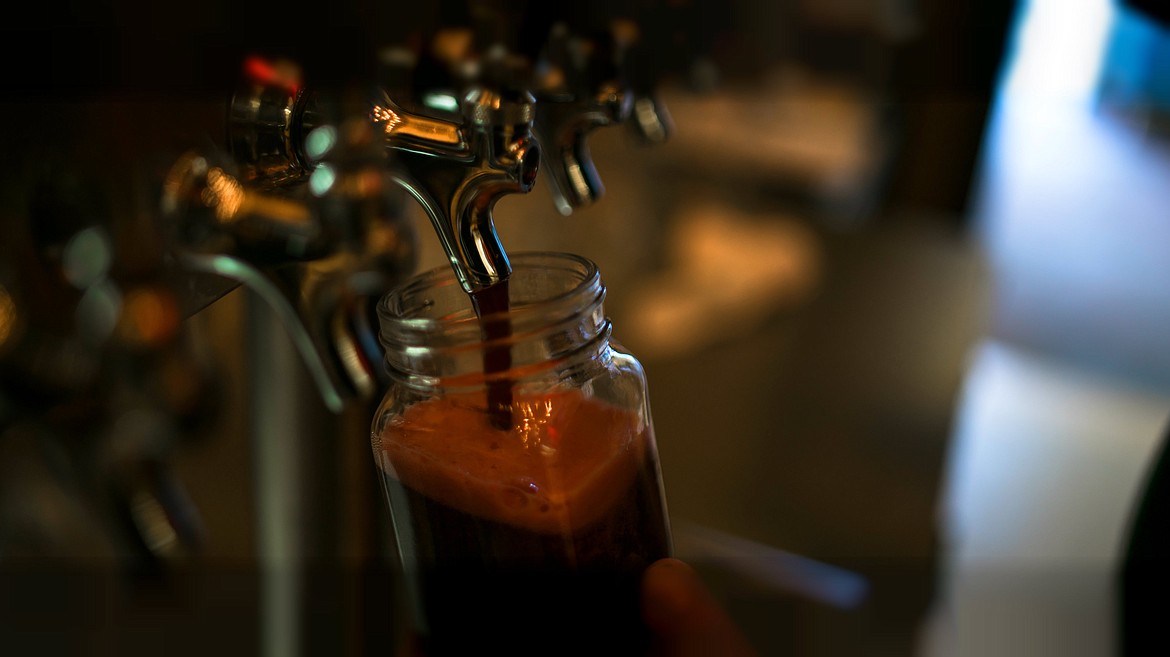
[{"x": 900, "y": 280}]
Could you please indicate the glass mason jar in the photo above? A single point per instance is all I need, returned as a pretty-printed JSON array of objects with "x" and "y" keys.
[{"x": 518, "y": 458}]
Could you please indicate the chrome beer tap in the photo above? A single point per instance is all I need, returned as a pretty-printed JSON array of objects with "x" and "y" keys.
[
  {"x": 458, "y": 171},
  {"x": 650, "y": 121},
  {"x": 306, "y": 216},
  {"x": 301, "y": 204},
  {"x": 455, "y": 167},
  {"x": 579, "y": 89},
  {"x": 575, "y": 78}
]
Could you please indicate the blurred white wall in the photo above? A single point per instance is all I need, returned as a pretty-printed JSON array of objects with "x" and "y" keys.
[{"x": 1065, "y": 403}]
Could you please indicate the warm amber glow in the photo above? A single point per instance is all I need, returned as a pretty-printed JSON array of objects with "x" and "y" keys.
[
  {"x": 369, "y": 182},
  {"x": 533, "y": 426},
  {"x": 446, "y": 449},
  {"x": 387, "y": 116},
  {"x": 149, "y": 316},
  {"x": 625, "y": 31},
  {"x": 417, "y": 127},
  {"x": 224, "y": 193},
  {"x": 7, "y": 316},
  {"x": 176, "y": 180},
  {"x": 453, "y": 44},
  {"x": 383, "y": 238}
]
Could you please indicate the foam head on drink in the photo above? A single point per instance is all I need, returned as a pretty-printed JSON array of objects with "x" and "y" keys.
[{"x": 524, "y": 534}]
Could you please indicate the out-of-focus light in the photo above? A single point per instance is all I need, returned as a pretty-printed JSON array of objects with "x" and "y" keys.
[
  {"x": 224, "y": 193},
  {"x": 149, "y": 317},
  {"x": 87, "y": 258},
  {"x": 277, "y": 73},
  {"x": 189, "y": 164},
  {"x": 1060, "y": 47},
  {"x": 441, "y": 101},
  {"x": 647, "y": 115},
  {"x": 8, "y": 316},
  {"x": 386, "y": 116},
  {"x": 322, "y": 179},
  {"x": 320, "y": 141},
  {"x": 352, "y": 360},
  {"x": 151, "y": 520},
  {"x": 98, "y": 312},
  {"x": 730, "y": 271},
  {"x": 369, "y": 182}
]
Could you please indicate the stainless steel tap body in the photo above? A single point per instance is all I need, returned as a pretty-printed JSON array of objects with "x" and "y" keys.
[{"x": 458, "y": 171}]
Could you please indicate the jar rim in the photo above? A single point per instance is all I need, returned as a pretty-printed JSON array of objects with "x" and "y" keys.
[{"x": 406, "y": 326}]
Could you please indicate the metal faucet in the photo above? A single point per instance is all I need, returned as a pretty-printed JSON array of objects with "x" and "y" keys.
[
  {"x": 458, "y": 171},
  {"x": 319, "y": 264},
  {"x": 581, "y": 80},
  {"x": 306, "y": 216},
  {"x": 299, "y": 224},
  {"x": 303, "y": 206},
  {"x": 578, "y": 89},
  {"x": 650, "y": 121}
]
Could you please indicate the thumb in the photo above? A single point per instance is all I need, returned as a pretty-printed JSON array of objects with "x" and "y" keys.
[{"x": 684, "y": 618}]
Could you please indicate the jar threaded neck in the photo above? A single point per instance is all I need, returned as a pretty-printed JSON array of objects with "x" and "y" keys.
[{"x": 432, "y": 336}]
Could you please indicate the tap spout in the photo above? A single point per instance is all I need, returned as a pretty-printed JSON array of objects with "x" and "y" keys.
[
  {"x": 564, "y": 125},
  {"x": 579, "y": 89},
  {"x": 458, "y": 171}
]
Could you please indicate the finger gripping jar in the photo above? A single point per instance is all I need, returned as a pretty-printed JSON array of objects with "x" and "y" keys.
[{"x": 531, "y": 532}]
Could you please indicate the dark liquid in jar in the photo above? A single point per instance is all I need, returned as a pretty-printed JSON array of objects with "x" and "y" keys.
[
  {"x": 534, "y": 538},
  {"x": 491, "y": 305}
]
